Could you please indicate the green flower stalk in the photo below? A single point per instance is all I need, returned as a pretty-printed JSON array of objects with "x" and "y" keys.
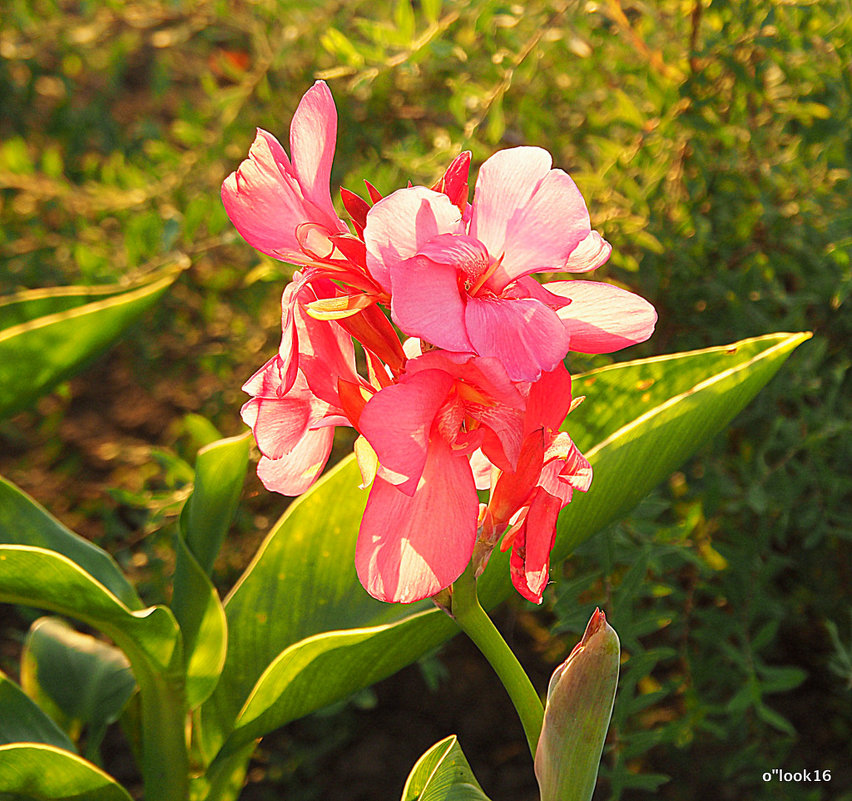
[{"x": 576, "y": 715}]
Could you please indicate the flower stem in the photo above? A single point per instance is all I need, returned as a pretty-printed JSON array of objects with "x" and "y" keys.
[{"x": 473, "y": 621}]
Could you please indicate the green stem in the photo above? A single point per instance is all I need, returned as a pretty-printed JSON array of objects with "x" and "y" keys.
[{"x": 473, "y": 621}]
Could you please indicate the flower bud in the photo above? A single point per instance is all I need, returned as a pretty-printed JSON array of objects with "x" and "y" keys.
[{"x": 576, "y": 715}]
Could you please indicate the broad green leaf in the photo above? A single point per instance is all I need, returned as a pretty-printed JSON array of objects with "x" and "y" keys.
[
  {"x": 45, "y": 773},
  {"x": 319, "y": 670},
  {"x": 220, "y": 469},
  {"x": 39, "y": 352},
  {"x": 443, "y": 774},
  {"x": 30, "y": 304},
  {"x": 150, "y": 638},
  {"x": 25, "y": 522},
  {"x": 302, "y": 582},
  {"x": 643, "y": 419},
  {"x": 22, "y": 720},
  {"x": 199, "y": 612},
  {"x": 86, "y": 679}
]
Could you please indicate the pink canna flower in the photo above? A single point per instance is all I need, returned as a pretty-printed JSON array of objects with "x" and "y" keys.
[
  {"x": 530, "y": 496},
  {"x": 531, "y": 539},
  {"x": 419, "y": 528},
  {"x": 296, "y": 401},
  {"x": 281, "y": 207},
  {"x": 458, "y": 277},
  {"x": 294, "y": 430}
]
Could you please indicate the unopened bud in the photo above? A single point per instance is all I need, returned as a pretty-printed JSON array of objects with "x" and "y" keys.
[{"x": 576, "y": 716}]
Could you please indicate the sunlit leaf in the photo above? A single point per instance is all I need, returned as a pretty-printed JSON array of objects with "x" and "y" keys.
[
  {"x": 25, "y": 522},
  {"x": 199, "y": 612},
  {"x": 150, "y": 638},
  {"x": 86, "y": 679},
  {"x": 443, "y": 774},
  {"x": 284, "y": 660},
  {"x": 40, "y": 351},
  {"x": 46, "y": 773},
  {"x": 220, "y": 469},
  {"x": 23, "y": 721}
]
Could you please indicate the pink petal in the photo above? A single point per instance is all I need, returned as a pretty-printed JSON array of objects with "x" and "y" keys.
[
  {"x": 505, "y": 183},
  {"x": 288, "y": 350},
  {"x": 528, "y": 287},
  {"x": 277, "y": 423},
  {"x": 507, "y": 426},
  {"x": 468, "y": 255},
  {"x": 399, "y": 225},
  {"x": 485, "y": 374},
  {"x": 426, "y": 303},
  {"x": 411, "y": 547},
  {"x": 530, "y": 561},
  {"x": 326, "y": 351},
  {"x": 294, "y": 473},
  {"x": 397, "y": 422},
  {"x": 523, "y": 334},
  {"x": 570, "y": 468},
  {"x": 266, "y": 382},
  {"x": 313, "y": 134},
  {"x": 542, "y": 234},
  {"x": 261, "y": 202},
  {"x": 482, "y": 470},
  {"x": 513, "y": 487},
  {"x": 549, "y": 400},
  {"x": 590, "y": 254},
  {"x": 602, "y": 318}
]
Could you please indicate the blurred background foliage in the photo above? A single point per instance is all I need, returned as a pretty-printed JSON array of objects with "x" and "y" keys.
[{"x": 711, "y": 139}]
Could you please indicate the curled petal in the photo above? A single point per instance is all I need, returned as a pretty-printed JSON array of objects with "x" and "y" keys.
[
  {"x": 268, "y": 198},
  {"x": 278, "y": 424},
  {"x": 294, "y": 473},
  {"x": 261, "y": 201},
  {"x": 529, "y": 564},
  {"x": 313, "y": 135},
  {"x": 590, "y": 254}
]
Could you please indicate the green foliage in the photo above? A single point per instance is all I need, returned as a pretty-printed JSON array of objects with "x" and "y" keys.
[
  {"x": 80, "y": 679},
  {"x": 301, "y": 632},
  {"x": 46, "y": 773},
  {"x": 220, "y": 469},
  {"x": 24, "y": 522},
  {"x": 47, "y": 335},
  {"x": 287, "y": 655},
  {"x": 443, "y": 774},
  {"x": 24, "y": 721},
  {"x": 150, "y": 639}
]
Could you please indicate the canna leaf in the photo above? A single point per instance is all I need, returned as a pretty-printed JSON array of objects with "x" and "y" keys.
[
  {"x": 284, "y": 658},
  {"x": 46, "y": 335}
]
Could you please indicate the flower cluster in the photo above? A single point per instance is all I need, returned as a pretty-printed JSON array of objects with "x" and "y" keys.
[{"x": 473, "y": 395}]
